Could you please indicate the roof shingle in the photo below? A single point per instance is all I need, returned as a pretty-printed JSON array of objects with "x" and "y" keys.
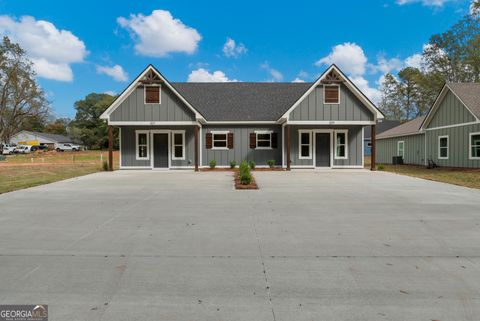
[
  {"x": 407, "y": 128},
  {"x": 469, "y": 94}
]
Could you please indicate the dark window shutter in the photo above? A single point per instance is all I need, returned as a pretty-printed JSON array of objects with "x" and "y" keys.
[
  {"x": 253, "y": 140},
  {"x": 208, "y": 140},
  {"x": 331, "y": 94},
  {"x": 152, "y": 94},
  {"x": 230, "y": 141},
  {"x": 274, "y": 138}
]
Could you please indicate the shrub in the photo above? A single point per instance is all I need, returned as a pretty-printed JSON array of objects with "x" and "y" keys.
[
  {"x": 244, "y": 167},
  {"x": 213, "y": 163},
  {"x": 246, "y": 177},
  {"x": 381, "y": 167},
  {"x": 233, "y": 164},
  {"x": 105, "y": 166},
  {"x": 251, "y": 164},
  {"x": 271, "y": 163}
]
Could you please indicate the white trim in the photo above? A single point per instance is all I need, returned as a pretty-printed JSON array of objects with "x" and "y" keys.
[
  {"x": 219, "y": 132},
  {"x": 159, "y": 94},
  {"x": 181, "y": 132},
  {"x": 137, "y": 133},
  {"x": 470, "y": 146},
  {"x": 455, "y": 125},
  {"x": 263, "y": 132},
  {"x": 160, "y": 131},
  {"x": 283, "y": 145},
  {"x": 403, "y": 148},
  {"x": 153, "y": 123},
  {"x": 363, "y": 147},
  {"x": 347, "y": 166},
  {"x": 439, "y": 147},
  {"x": 120, "y": 147},
  {"x": 331, "y": 85},
  {"x": 345, "y": 132},
  {"x": 136, "y": 167},
  {"x": 310, "y": 141},
  {"x": 200, "y": 146},
  {"x": 329, "y": 122},
  {"x": 377, "y": 113},
  {"x": 240, "y": 122}
]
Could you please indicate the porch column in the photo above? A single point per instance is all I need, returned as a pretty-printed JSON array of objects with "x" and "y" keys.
[
  {"x": 110, "y": 148},
  {"x": 289, "y": 141},
  {"x": 196, "y": 148},
  {"x": 373, "y": 138}
]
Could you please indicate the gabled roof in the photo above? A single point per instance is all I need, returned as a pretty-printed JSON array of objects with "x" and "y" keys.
[
  {"x": 242, "y": 101},
  {"x": 48, "y": 136},
  {"x": 411, "y": 127},
  {"x": 380, "y": 127}
]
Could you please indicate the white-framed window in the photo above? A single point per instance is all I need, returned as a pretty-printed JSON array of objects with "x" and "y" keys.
[
  {"x": 142, "y": 146},
  {"x": 331, "y": 94},
  {"x": 341, "y": 144},
  {"x": 263, "y": 139},
  {"x": 152, "y": 94},
  {"x": 219, "y": 140},
  {"x": 401, "y": 148},
  {"x": 474, "y": 146},
  {"x": 304, "y": 144},
  {"x": 443, "y": 146},
  {"x": 178, "y": 144}
]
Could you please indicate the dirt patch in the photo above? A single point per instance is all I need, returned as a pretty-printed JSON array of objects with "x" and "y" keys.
[{"x": 239, "y": 185}]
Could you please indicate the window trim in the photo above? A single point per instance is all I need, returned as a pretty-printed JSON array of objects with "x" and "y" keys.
[
  {"x": 344, "y": 131},
  {"x": 470, "y": 156},
  {"x": 439, "y": 147},
  {"x": 309, "y": 132},
  {"x": 324, "y": 96},
  {"x": 403, "y": 148},
  {"x": 224, "y": 132},
  {"x": 159, "y": 94},
  {"x": 137, "y": 133},
  {"x": 263, "y": 132},
  {"x": 181, "y": 132}
]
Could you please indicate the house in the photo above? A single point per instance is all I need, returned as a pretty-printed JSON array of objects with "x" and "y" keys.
[
  {"x": 26, "y": 137},
  {"x": 187, "y": 125},
  {"x": 449, "y": 134},
  {"x": 381, "y": 127}
]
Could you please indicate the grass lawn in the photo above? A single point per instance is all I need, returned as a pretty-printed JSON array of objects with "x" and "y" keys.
[
  {"x": 457, "y": 176},
  {"x": 22, "y": 171}
]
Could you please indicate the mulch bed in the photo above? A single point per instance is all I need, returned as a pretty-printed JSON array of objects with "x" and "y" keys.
[{"x": 239, "y": 185}]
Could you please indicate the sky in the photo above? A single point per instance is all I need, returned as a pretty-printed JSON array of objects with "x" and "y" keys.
[{"x": 79, "y": 47}]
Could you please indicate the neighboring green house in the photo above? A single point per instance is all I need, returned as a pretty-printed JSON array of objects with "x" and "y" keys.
[{"x": 449, "y": 134}]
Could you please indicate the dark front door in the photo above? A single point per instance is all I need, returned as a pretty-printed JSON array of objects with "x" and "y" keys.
[
  {"x": 160, "y": 150},
  {"x": 322, "y": 150}
]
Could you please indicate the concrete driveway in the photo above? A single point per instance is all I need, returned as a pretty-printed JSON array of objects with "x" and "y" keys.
[{"x": 343, "y": 245}]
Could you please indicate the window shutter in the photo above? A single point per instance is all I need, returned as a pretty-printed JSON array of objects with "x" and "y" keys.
[
  {"x": 208, "y": 141},
  {"x": 230, "y": 141},
  {"x": 331, "y": 94},
  {"x": 253, "y": 140},
  {"x": 274, "y": 138},
  {"x": 152, "y": 94}
]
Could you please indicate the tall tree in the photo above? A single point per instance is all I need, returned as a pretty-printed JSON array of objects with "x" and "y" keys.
[
  {"x": 21, "y": 97},
  {"x": 391, "y": 98},
  {"x": 58, "y": 126}
]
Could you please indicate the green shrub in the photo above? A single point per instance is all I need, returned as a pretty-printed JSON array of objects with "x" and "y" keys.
[
  {"x": 213, "y": 163},
  {"x": 233, "y": 164},
  {"x": 105, "y": 166},
  {"x": 246, "y": 177},
  {"x": 251, "y": 164},
  {"x": 381, "y": 167},
  {"x": 271, "y": 163},
  {"x": 244, "y": 167}
]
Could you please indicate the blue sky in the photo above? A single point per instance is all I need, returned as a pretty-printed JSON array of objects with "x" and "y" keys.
[{"x": 80, "y": 47}]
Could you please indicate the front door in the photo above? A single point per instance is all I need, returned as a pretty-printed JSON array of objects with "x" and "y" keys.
[
  {"x": 160, "y": 150},
  {"x": 322, "y": 149}
]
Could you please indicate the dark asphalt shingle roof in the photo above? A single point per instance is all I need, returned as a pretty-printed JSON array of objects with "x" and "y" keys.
[
  {"x": 381, "y": 127},
  {"x": 242, "y": 101},
  {"x": 469, "y": 93},
  {"x": 407, "y": 128}
]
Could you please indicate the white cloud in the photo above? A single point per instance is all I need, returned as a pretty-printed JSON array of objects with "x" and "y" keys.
[
  {"x": 110, "y": 92},
  {"x": 414, "y": 60},
  {"x": 385, "y": 65},
  {"x": 427, "y": 3},
  {"x": 203, "y": 75},
  {"x": 116, "y": 72},
  {"x": 348, "y": 56},
  {"x": 274, "y": 73},
  {"x": 373, "y": 94},
  {"x": 50, "y": 49},
  {"x": 298, "y": 80},
  {"x": 474, "y": 11},
  {"x": 231, "y": 49},
  {"x": 159, "y": 34}
]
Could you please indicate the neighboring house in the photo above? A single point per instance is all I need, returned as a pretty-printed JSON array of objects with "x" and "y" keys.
[
  {"x": 449, "y": 134},
  {"x": 381, "y": 127},
  {"x": 187, "y": 125},
  {"x": 36, "y": 138}
]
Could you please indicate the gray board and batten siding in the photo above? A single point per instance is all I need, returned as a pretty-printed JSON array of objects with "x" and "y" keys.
[
  {"x": 451, "y": 111},
  {"x": 414, "y": 149}
]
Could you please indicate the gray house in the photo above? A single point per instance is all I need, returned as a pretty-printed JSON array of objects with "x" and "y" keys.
[
  {"x": 381, "y": 127},
  {"x": 449, "y": 134},
  {"x": 186, "y": 125}
]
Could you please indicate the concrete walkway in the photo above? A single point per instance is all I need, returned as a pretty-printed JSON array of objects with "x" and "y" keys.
[{"x": 143, "y": 245}]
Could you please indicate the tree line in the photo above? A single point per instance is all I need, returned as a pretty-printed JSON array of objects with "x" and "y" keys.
[{"x": 451, "y": 56}]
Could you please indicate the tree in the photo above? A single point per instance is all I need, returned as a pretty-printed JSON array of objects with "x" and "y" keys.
[
  {"x": 391, "y": 97},
  {"x": 21, "y": 98},
  {"x": 87, "y": 125},
  {"x": 59, "y": 126}
]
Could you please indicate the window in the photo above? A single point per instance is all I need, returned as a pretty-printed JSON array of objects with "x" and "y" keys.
[
  {"x": 178, "y": 145},
  {"x": 474, "y": 145},
  {"x": 442, "y": 147},
  {"x": 305, "y": 144},
  {"x": 152, "y": 94},
  {"x": 331, "y": 94},
  {"x": 141, "y": 143},
  {"x": 341, "y": 144},
  {"x": 264, "y": 140},
  {"x": 219, "y": 140},
  {"x": 401, "y": 148}
]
